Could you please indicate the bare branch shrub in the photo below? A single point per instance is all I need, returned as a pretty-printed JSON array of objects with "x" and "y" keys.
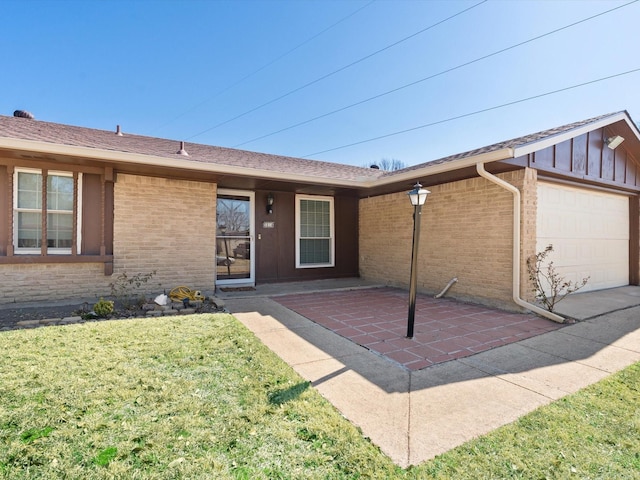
[{"x": 549, "y": 287}]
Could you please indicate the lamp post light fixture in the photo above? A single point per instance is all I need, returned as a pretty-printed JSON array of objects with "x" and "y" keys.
[{"x": 417, "y": 196}]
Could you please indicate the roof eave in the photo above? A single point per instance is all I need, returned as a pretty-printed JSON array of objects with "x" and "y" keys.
[
  {"x": 428, "y": 169},
  {"x": 405, "y": 175},
  {"x": 179, "y": 162}
]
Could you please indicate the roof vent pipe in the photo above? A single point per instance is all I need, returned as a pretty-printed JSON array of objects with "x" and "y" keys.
[
  {"x": 118, "y": 131},
  {"x": 182, "y": 151},
  {"x": 516, "y": 245},
  {"x": 23, "y": 114}
]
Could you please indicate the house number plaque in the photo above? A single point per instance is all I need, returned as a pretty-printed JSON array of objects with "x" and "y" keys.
[{"x": 268, "y": 224}]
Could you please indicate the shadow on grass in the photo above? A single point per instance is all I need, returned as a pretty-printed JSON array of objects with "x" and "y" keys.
[{"x": 287, "y": 394}]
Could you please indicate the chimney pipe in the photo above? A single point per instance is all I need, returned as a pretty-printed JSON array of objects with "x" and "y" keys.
[
  {"x": 23, "y": 114},
  {"x": 182, "y": 151}
]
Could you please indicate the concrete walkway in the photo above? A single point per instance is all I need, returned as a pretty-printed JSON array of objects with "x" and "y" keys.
[{"x": 415, "y": 415}]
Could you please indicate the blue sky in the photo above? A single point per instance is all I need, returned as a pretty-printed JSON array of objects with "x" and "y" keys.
[{"x": 227, "y": 72}]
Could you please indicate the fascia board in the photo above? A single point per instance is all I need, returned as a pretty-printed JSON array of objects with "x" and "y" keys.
[
  {"x": 428, "y": 170},
  {"x": 576, "y": 132},
  {"x": 184, "y": 163},
  {"x": 180, "y": 163}
]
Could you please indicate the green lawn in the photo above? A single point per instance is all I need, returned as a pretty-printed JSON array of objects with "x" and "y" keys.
[{"x": 200, "y": 397}]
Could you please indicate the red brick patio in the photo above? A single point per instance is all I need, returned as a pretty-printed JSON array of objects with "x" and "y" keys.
[{"x": 445, "y": 329}]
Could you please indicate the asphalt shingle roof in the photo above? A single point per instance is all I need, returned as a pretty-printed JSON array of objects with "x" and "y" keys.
[
  {"x": 54, "y": 133},
  {"x": 35, "y": 130}
]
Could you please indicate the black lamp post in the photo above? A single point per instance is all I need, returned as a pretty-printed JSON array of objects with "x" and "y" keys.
[{"x": 417, "y": 196}]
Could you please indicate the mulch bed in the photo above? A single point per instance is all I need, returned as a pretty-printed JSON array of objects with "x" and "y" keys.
[{"x": 11, "y": 317}]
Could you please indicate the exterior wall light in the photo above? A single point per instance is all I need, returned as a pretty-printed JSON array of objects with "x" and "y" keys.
[
  {"x": 417, "y": 196},
  {"x": 270, "y": 199},
  {"x": 613, "y": 142}
]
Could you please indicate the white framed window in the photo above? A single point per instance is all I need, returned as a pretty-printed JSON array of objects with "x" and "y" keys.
[
  {"x": 29, "y": 210},
  {"x": 315, "y": 238}
]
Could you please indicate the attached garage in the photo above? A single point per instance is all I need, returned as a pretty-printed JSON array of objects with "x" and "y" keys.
[{"x": 589, "y": 231}]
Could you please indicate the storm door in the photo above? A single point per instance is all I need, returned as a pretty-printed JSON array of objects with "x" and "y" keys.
[{"x": 235, "y": 264}]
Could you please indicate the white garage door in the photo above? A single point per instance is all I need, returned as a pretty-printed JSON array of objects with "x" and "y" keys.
[{"x": 589, "y": 231}]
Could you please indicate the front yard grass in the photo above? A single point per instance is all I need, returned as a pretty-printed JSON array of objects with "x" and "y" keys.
[{"x": 200, "y": 397}]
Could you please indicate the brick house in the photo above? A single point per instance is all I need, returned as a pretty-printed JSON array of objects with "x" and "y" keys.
[{"x": 81, "y": 205}]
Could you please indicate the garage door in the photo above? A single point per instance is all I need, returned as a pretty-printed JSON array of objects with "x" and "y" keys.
[{"x": 589, "y": 231}]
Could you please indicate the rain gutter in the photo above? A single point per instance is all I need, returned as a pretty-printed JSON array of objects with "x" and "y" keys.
[{"x": 179, "y": 162}]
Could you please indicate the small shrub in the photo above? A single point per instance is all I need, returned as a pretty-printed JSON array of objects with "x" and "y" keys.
[
  {"x": 103, "y": 308},
  {"x": 125, "y": 288},
  {"x": 541, "y": 278}
]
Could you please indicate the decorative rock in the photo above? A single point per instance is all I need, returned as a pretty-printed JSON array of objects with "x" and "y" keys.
[
  {"x": 49, "y": 321},
  {"x": 188, "y": 311},
  {"x": 28, "y": 323},
  {"x": 68, "y": 320},
  {"x": 154, "y": 313},
  {"x": 149, "y": 306},
  {"x": 171, "y": 312},
  {"x": 218, "y": 302}
]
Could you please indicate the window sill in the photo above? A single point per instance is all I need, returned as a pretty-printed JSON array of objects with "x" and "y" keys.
[
  {"x": 49, "y": 259},
  {"x": 55, "y": 258},
  {"x": 316, "y": 265}
]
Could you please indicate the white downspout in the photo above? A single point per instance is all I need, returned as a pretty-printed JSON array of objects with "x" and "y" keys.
[{"x": 516, "y": 245}]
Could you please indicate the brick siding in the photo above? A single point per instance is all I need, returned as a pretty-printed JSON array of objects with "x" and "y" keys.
[
  {"x": 159, "y": 224},
  {"x": 527, "y": 183},
  {"x": 55, "y": 281},
  {"x": 466, "y": 232},
  {"x": 167, "y": 226}
]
